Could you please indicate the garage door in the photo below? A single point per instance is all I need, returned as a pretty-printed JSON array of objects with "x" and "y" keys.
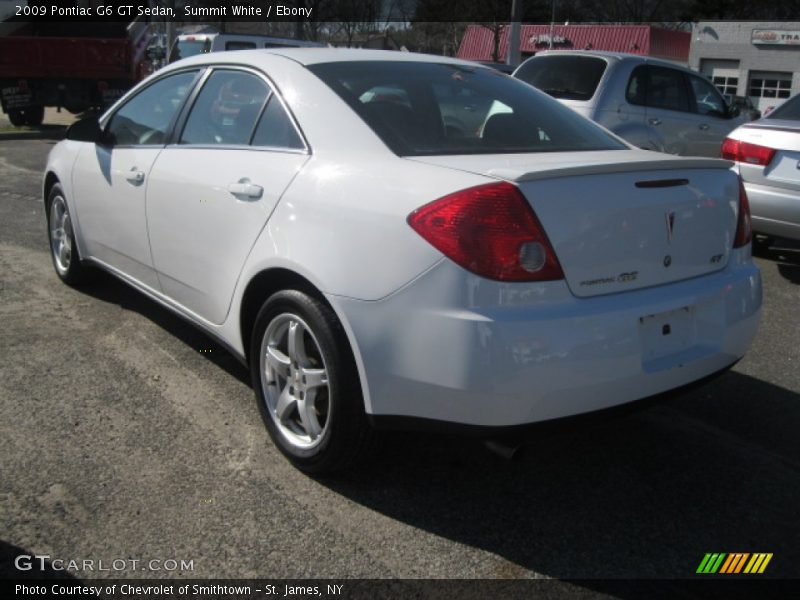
[{"x": 724, "y": 74}]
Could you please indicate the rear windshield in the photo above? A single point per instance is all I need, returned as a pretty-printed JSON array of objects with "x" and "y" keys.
[
  {"x": 567, "y": 77},
  {"x": 427, "y": 109},
  {"x": 789, "y": 110}
]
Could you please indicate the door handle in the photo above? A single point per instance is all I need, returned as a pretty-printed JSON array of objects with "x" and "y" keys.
[
  {"x": 654, "y": 121},
  {"x": 703, "y": 126},
  {"x": 135, "y": 176},
  {"x": 243, "y": 187}
]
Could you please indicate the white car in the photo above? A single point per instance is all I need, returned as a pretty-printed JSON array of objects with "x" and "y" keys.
[
  {"x": 767, "y": 155},
  {"x": 375, "y": 267}
]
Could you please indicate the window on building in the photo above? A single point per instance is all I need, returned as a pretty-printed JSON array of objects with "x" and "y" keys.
[
  {"x": 770, "y": 85},
  {"x": 726, "y": 85}
]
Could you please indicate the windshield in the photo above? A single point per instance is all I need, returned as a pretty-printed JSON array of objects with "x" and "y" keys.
[
  {"x": 567, "y": 77},
  {"x": 427, "y": 108},
  {"x": 789, "y": 110},
  {"x": 187, "y": 48}
]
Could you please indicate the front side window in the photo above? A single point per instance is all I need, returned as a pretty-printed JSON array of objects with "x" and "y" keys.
[
  {"x": 428, "y": 108},
  {"x": 226, "y": 110},
  {"x": 706, "y": 97},
  {"x": 145, "y": 118},
  {"x": 666, "y": 89}
]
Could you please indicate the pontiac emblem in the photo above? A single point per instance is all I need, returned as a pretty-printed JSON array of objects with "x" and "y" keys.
[{"x": 670, "y": 216}]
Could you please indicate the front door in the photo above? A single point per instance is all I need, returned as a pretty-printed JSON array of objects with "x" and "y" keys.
[{"x": 111, "y": 177}]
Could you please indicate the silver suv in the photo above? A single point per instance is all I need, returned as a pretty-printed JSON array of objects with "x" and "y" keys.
[{"x": 651, "y": 103}]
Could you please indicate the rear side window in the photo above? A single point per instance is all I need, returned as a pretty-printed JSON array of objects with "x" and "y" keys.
[
  {"x": 566, "y": 77},
  {"x": 239, "y": 45},
  {"x": 658, "y": 87},
  {"x": 226, "y": 110},
  {"x": 789, "y": 110},
  {"x": 427, "y": 108},
  {"x": 275, "y": 130},
  {"x": 636, "y": 92}
]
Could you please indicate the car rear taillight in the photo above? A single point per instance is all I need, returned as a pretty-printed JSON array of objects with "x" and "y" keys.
[
  {"x": 746, "y": 152},
  {"x": 744, "y": 227},
  {"x": 490, "y": 230}
]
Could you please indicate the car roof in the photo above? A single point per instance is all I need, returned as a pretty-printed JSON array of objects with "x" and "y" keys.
[
  {"x": 614, "y": 55},
  {"x": 311, "y": 56}
]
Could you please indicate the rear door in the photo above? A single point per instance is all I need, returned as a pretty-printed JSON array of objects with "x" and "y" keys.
[
  {"x": 212, "y": 191},
  {"x": 672, "y": 127}
]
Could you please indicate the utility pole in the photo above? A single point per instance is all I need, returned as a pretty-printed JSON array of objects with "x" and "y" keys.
[
  {"x": 170, "y": 28},
  {"x": 298, "y": 25},
  {"x": 512, "y": 56}
]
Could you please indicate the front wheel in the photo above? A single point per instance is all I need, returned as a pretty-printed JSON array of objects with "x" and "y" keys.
[
  {"x": 63, "y": 248},
  {"x": 306, "y": 384}
]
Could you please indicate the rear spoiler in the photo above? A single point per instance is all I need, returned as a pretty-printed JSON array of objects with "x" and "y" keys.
[{"x": 664, "y": 164}]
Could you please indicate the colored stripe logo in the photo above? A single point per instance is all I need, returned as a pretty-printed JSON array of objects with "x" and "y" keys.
[{"x": 737, "y": 562}]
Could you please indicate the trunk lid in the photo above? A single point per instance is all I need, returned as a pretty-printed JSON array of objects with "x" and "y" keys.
[{"x": 623, "y": 220}]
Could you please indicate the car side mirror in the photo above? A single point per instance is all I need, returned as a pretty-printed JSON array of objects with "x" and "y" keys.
[
  {"x": 85, "y": 130},
  {"x": 733, "y": 112}
]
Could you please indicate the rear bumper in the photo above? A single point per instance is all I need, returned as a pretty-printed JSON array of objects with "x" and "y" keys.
[
  {"x": 456, "y": 348},
  {"x": 775, "y": 211}
]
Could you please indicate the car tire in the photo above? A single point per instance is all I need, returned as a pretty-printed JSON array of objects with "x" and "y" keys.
[
  {"x": 34, "y": 116},
  {"x": 63, "y": 248},
  {"x": 16, "y": 117},
  {"x": 306, "y": 384},
  {"x": 762, "y": 243}
]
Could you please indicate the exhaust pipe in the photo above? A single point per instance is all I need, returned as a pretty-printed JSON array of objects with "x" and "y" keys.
[{"x": 507, "y": 451}]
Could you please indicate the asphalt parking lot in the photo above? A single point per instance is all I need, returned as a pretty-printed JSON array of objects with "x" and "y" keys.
[{"x": 128, "y": 434}]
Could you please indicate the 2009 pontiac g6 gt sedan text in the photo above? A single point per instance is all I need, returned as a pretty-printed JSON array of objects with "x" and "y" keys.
[{"x": 395, "y": 235}]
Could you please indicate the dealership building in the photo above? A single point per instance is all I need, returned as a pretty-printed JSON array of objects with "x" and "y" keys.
[{"x": 756, "y": 59}]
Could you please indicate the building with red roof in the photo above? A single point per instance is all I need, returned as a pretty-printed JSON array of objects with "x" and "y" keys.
[{"x": 648, "y": 40}]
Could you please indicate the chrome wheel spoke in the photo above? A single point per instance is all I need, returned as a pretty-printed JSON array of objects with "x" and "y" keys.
[
  {"x": 297, "y": 345},
  {"x": 308, "y": 417},
  {"x": 278, "y": 364},
  {"x": 286, "y": 403},
  {"x": 314, "y": 378}
]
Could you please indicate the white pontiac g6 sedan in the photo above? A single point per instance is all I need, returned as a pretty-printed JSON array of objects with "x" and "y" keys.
[{"x": 392, "y": 238}]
